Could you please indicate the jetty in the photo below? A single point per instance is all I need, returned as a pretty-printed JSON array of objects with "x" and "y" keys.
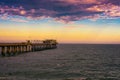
[{"x": 10, "y": 49}]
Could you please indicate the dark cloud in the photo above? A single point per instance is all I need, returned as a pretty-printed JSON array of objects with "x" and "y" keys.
[
  {"x": 115, "y": 2},
  {"x": 66, "y": 10}
]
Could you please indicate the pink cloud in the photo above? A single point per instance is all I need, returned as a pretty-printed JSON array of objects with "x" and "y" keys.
[
  {"x": 47, "y": 12},
  {"x": 108, "y": 9},
  {"x": 83, "y": 1},
  {"x": 18, "y": 20},
  {"x": 4, "y": 16},
  {"x": 9, "y": 18},
  {"x": 12, "y": 10},
  {"x": 60, "y": 10}
]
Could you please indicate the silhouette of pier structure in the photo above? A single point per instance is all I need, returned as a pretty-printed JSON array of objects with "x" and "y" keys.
[{"x": 9, "y": 49}]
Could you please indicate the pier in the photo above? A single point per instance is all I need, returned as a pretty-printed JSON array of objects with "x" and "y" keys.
[{"x": 10, "y": 49}]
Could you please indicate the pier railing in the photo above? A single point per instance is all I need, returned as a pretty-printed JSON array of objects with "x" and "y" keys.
[{"x": 9, "y": 49}]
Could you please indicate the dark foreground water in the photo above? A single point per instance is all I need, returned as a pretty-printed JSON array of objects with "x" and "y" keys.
[{"x": 67, "y": 62}]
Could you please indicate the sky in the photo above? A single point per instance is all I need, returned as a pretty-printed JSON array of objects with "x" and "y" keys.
[{"x": 67, "y": 21}]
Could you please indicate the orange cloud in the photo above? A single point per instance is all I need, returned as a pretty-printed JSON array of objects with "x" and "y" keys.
[{"x": 22, "y": 12}]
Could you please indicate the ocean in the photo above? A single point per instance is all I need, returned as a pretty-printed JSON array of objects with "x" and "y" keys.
[{"x": 67, "y": 62}]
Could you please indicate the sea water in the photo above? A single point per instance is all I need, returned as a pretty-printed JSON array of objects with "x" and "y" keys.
[{"x": 67, "y": 62}]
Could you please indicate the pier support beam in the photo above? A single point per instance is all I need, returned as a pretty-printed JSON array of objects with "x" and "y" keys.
[
  {"x": 14, "y": 50},
  {"x": 29, "y": 48},
  {"x": 8, "y": 50},
  {"x": 3, "y": 51}
]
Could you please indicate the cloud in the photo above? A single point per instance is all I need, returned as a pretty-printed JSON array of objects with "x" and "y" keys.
[
  {"x": 109, "y": 9},
  {"x": 18, "y": 20},
  {"x": 14, "y": 19},
  {"x": 61, "y": 10},
  {"x": 83, "y": 1}
]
